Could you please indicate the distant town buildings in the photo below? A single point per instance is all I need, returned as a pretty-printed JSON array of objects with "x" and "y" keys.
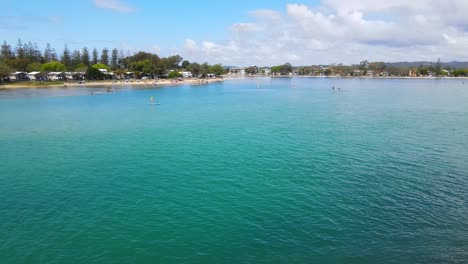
[{"x": 282, "y": 70}]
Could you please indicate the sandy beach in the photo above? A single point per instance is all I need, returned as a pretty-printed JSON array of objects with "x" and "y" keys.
[{"x": 109, "y": 83}]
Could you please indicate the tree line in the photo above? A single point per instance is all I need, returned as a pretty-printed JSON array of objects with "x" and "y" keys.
[
  {"x": 363, "y": 68},
  {"x": 29, "y": 58}
]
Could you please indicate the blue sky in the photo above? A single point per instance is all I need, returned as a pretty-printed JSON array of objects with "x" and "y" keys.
[
  {"x": 146, "y": 24},
  {"x": 260, "y": 32}
]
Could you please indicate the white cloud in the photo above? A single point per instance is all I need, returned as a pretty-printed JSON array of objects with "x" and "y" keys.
[
  {"x": 115, "y": 5},
  {"x": 155, "y": 49},
  {"x": 343, "y": 31}
]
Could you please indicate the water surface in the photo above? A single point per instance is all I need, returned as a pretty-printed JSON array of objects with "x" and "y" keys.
[{"x": 254, "y": 171}]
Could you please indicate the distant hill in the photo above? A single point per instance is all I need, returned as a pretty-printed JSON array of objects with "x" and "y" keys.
[
  {"x": 453, "y": 64},
  {"x": 229, "y": 66}
]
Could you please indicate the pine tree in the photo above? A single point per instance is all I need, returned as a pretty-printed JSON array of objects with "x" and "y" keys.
[
  {"x": 85, "y": 57},
  {"x": 105, "y": 56},
  {"x": 66, "y": 59},
  {"x": 115, "y": 59},
  {"x": 6, "y": 52},
  {"x": 121, "y": 58},
  {"x": 29, "y": 50},
  {"x": 32, "y": 52},
  {"x": 75, "y": 59},
  {"x": 37, "y": 54},
  {"x": 20, "y": 50},
  {"x": 53, "y": 55},
  {"x": 95, "y": 56},
  {"x": 438, "y": 67},
  {"x": 48, "y": 53}
]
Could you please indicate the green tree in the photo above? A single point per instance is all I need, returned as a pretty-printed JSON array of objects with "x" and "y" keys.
[
  {"x": 35, "y": 66},
  {"x": 173, "y": 62},
  {"x": 195, "y": 69},
  {"x": 145, "y": 67},
  {"x": 95, "y": 56},
  {"x": 105, "y": 56},
  {"x": 54, "y": 66},
  {"x": 217, "y": 69},
  {"x": 32, "y": 52},
  {"x": 275, "y": 70},
  {"x": 438, "y": 67},
  {"x": 48, "y": 53},
  {"x": 460, "y": 73},
  {"x": 6, "y": 53},
  {"x": 75, "y": 59},
  {"x": 100, "y": 66},
  {"x": 115, "y": 59},
  {"x": 304, "y": 71},
  {"x": 174, "y": 74},
  {"x": 363, "y": 66},
  {"x": 251, "y": 70},
  {"x": 81, "y": 67},
  {"x": 423, "y": 71},
  {"x": 94, "y": 74},
  {"x": 19, "y": 64},
  {"x": 20, "y": 53},
  {"x": 85, "y": 57},
  {"x": 204, "y": 69},
  {"x": 53, "y": 55},
  {"x": 285, "y": 69},
  {"x": 5, "y": 71},
  {"x": 66, "y": 58},
  {"x": 185, "y": 64}
]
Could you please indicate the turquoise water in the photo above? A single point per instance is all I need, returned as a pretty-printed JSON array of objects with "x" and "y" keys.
[{"x": 256, "y": 171}]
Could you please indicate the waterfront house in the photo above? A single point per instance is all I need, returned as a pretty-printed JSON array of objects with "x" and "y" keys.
[
  {"x": 129, "y": 75},
  {"x": 69, "y": 75},
  {"x": 57, "y": 76},
  {"x": 187, "y": 74},
  {"x": 19, "y": 76},
  {"x": 35, "y": 76},
  {"x": 79, "y": 76},
  {"x": 357, "y": 73},
  {"x": 105, "y": 71},
  {"x": 237, "y": 71}
]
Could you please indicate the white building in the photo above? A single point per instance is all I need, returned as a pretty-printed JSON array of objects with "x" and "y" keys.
[
  {"x": 187, "y": 74},
  {"x": 34, "y": 75},
  {"x": 57, "y": 76},
  {"x": 69, "y": 75},
  {"x": 18, "y": 76},
  {"x": 237, "y": 71}
]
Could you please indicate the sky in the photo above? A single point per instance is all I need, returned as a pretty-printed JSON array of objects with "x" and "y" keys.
[{"x": 248, "y": 32}]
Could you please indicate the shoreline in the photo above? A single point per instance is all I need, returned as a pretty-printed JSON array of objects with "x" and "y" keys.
[
  {"x": 246, "y": 77},
  {"x": 91, "y": 84},
  {"x": 166, "y": 82}
]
